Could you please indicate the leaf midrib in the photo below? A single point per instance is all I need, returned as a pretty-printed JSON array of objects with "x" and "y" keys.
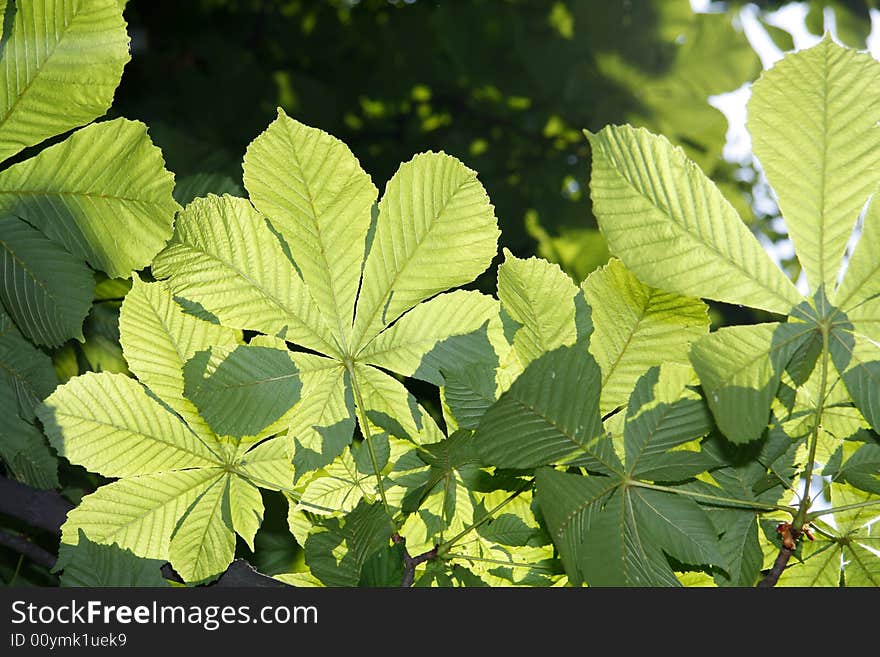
[
  {"x": 279, "y": 303},
  {"x": 139, "y": 432}
]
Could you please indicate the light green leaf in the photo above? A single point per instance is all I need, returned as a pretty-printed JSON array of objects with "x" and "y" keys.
[
  {"x": 822, "y": 104},
  {"x": 857, "y": 359},
  {"x": 47, "y": 291},
  {"x": 74, "y": 193},
  {"x": 635, "y": 327},
  {"x": 861, "y": 281},
  {"x": 203, "y": 544},
  {"x": 554, "y": 407},
  {"x": 268, "y": 464},
  {"x": 139, "y": 513},
  {"x": 862, "y": 567},
  {"x": 60, "y": 68},
  {"x": 323, "y": 424},
  {"x": 740, "y": 369},
  {"x": 541, "y": 298},
  {"x": 853, "y": 522},
  {"x": 108, "y": 423},
  {"x": 243, "y": 389},
  {"x": 439, "y": 335},
  {"x": 672, "y": 227},
  {"x": 245, "y": 508},
  {"x": 819, "y": 566},
  {"x": 862, "y": 469},
  {"x": 95, "y": 565},
  {"x": 158, "y": 338},
  {"x": 392, "y": 409},
  {"x": 339, "y": 487},
  {"x": 225, "y": 257},
  {"x": 316, "y": 195},
  {"x": 436, "y": 230}
]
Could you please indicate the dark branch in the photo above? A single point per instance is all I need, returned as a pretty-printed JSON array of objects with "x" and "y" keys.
[
  {"x": 44, "y": 509},
  {"x": 409, "y": 562},
  {"x": 776, "y": 571},
  {"x": 32, "y": 551}
]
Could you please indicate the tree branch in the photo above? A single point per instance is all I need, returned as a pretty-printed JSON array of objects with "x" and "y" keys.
[
  {"x": 44, "y": 509},
  {"x": 32, "y": 551},
  {"x": 410, "y": 563},
  {"x": 776, "y": 571}
]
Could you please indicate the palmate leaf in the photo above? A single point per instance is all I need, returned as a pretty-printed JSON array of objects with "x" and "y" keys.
[
  {"x": 635, "y": 327},
  {"x": 66, "y": 54},
  {"x": 614, "y": 530},
  {"x": 184, "y": 492},
  {"x": 821, "y": 104},
  {"x": 740, "y": 367},
  {"x": 276, "y": 275}
]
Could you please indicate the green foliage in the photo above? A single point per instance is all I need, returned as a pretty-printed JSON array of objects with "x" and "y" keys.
[
  {"x": 93, "y": 564},
  {"x": 184, "y": 492},
  {"x": 612, "y": 530},
  {"x": 306, "y": 345},
  {"x": 452, "y": 81},
  {"x": 740, "y": 367},
  {"x": 64, "y": 209}
]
